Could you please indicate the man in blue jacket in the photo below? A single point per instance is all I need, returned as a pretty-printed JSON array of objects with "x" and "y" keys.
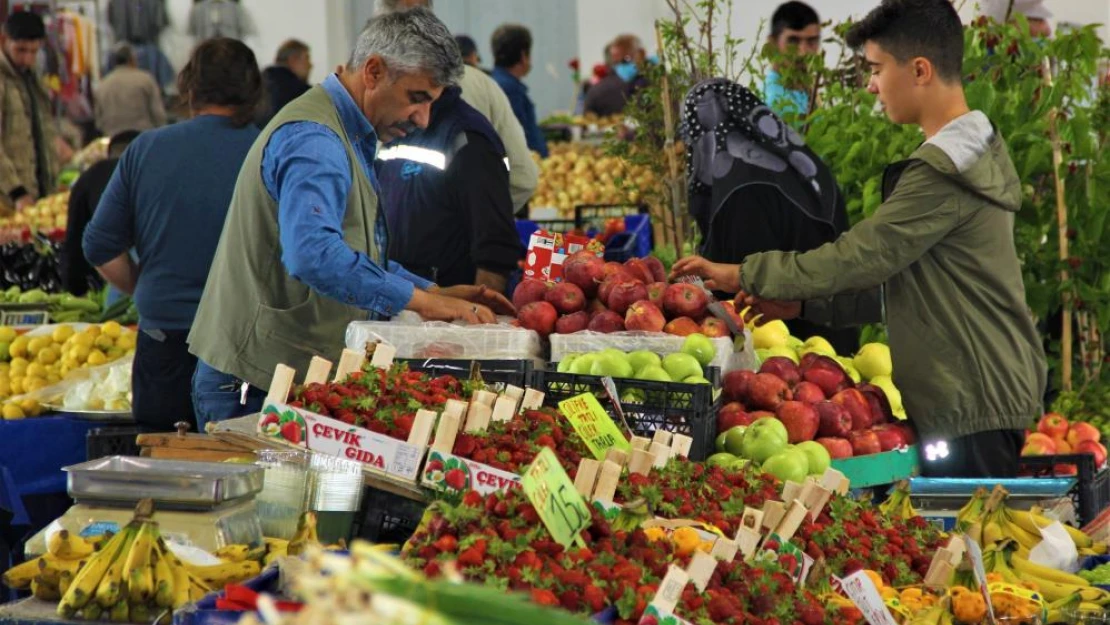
[{"x": 512, "y": 60}]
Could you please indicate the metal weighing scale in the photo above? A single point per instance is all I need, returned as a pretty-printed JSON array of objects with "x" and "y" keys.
[
  {"x": 203, "y": 504},
  {"x": 939, "y": 499}
]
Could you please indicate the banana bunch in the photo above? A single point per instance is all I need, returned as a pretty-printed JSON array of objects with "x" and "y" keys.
[
  {"x": 990, "y": 521},
  {"x": 939, "y": 613},
  {"x": 1053, "y": 585},
  {"x": 49, "y": 576},
  {"x": 972, "y": 512},
  {"x": 305, "y": 534},
  {"x": 897, "y": 504}
]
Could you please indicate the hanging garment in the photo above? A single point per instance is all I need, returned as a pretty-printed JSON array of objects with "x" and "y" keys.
[{"x": 219, "y": 18}]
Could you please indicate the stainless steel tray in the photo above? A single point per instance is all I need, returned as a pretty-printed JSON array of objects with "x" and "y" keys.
[{"x": 129, "y": 479}]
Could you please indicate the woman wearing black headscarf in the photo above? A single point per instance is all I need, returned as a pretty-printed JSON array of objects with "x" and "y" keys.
[{"x": 755, "y": 186}]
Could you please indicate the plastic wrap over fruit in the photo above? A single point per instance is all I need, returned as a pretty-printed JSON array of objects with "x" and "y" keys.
[
  {"x": 415, "y": 338},
  {"x": 104, "y": 388},
  {"x": 727, "y": 357}
]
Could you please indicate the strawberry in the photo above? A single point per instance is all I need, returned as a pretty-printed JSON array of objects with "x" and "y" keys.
[
  {"x": 291, "y": 432},
  {"x": 544, "y": 597},
  {"x": 455, "y": 479},
  {"x": 447, "y": 543},
  {"x": 472, "y": 499}
]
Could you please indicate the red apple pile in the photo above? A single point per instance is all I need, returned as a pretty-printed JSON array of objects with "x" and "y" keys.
[
  {"x": 815, "y": 400},
  {"x": 1055, "y": 436},
  {"x": 612, "y": 297}
]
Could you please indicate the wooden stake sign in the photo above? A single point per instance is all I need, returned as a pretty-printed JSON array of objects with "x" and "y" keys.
[
  {"x": 318, "y": 370},
  {"x": 640, "y": 442},
  {"x": 701, "y": 569},
  {"x": 607, "y": 481},
  {"x": 281, "y": 384},
  {"x": 752, "y": 519},
  {"x": 772, "y": 514},
  {"x": 641, "y": 462},
  {"x": 350, "y": 361},
  {"x": 504, "y": 409},
  {"x": 477, "y": 418},
  {"x": 617, "y": 456},
  {"x": 486, "y": 398},
  {"x": 384, "y": 353},
  {"x": 586, "y": 478},
  {"x": 533, "y": 400},
  {"x": 662, "y": 454},
  {"x": 446, "y": 433},
  {"x": 663, "y": 437},
  {"x": 681, "y": 444}
]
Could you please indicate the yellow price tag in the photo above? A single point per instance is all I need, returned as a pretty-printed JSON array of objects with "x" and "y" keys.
[
  {"x": 561, "y": 508},
  {"x": 594, "y": 425}
]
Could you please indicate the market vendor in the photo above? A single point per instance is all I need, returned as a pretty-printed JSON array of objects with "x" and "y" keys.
[
  {"x": 303, "y": 251},
  {"x": 966, "y": 353},
  {"x": 445, "y": 192}
]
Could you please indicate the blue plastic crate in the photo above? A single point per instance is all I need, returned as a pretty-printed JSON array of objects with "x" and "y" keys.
[{"x": 634, "y": 242}]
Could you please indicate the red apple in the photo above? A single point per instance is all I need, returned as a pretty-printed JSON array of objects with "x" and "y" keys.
[
  {"x": 538, "y": 316},
  {"x": 800, "y": 419},
  {"x": 658, "y": 271},
  {"x": 1080, "y": 431},
  {"x": 566, "y": 297},
  {"x": 907, "y": 432},
  {"x": 808, "y": 392},
  {"x": 1053, "y": 425},
  {"x": 839, "y": 448},
  {"x": 626, "y": 294},
  {"x": 856, "y": 405},
  {"x": 761, "y": 414},
  {"x": 714, "y": 327},
  {"x": 584, "y": 269},
  {"x": 767, "y": 392},
  {"x": 783, "y": 368},
  {"x": 595, "y": 306},
  {"x": 639, "y": 270},
  {"x": 655, "y": 293},
  {"x": 731, "y": 415},
  {"x": 644, "y": 316},
  {"x": 682, "y": 326},
  {"x": 528, "y": 291},
  {"x": 685, "y": 300},
  {"x": 606, "y": 321},
  {"x": 880, "y": 407},
  {"x": 1065, "y": 469},
  {"x": 1062, "y": 446},
  {"x": 807, "y": 360},
  {"x": 825, "y": 372},
  {"x": 835, "y": 420},
  {"x": 1038, "y": 444},
  {"x": 890, "y": 437},
  {"x": 1094, "y": 448},
  {"x": 864, "y": 443},
  {"x": 736, "y": 384},
  {"x": 613, "y": 268},
  {"x": 572, "y": 323}
]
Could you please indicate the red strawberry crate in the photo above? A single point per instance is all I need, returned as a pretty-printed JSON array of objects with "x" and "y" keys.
[{"x": 689, "y": 409}]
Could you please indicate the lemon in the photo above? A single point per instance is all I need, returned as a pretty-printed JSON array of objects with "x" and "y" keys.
[
  {"x": 30, "y": 407},
  {"x": 48, "y": 355},
  {"x": 5, "y": 388},
  {"x": 95, "y": 404},
  {"x": 5, "y": 366},
  {"x": 34, "y": 383},
  {"x": 118, "y": 404},
  {"x": 13, "y": 411},
  {"x": 36, "y": 370},
  {"x": 104, "y": 342},
  {"x": 84, "y": 339},
  {"x": 7, "y": 334},
  {"x": 81, "y": 353},
  {"x": 37, "y": 344},
  {"x": 96, "y": 358},
  {"x": 62, "y": 333},
  {"x": 53, "y": 378},
  {"x": 114, "y": 353},
  {"x": 16, "y": 386},
  {"x": 18, "y": 347},
  {"x": 112, "y": 329},
  {"x": 93, "y": 331},
  {"x": 19, "y": 366},
  {"x": 69, "y": 361},
  {"x": 126, "y": 342}
]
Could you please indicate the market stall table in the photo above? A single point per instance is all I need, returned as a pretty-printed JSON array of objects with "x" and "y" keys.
[{"x": 32, "y": 612}]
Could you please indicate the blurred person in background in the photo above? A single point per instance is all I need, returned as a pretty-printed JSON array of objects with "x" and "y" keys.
[
  {"x": 795, "y": 34},
  {"x": 287, "y": 79},
  {"x": 512, "y": 61},
  {"x": 168, "y": 199},
  {"x": 128, "y": 98},
  {"x": 469, "y": 51},
  {"x": 1035, "y": 12},
  {"x": 625, "y": 58}
]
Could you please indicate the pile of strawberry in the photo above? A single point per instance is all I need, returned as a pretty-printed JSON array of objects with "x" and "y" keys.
[
  {"x": 499, "y": 540},
  {"x": 379, "y": 400},
  {"x": 512, "y": 445}
]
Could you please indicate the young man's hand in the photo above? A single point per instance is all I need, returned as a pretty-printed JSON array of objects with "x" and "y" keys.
[
  {"x": 769, "y": 310},
  {"x": 717, "y": 276},
  {"x": 440, "y": 307},
  {"x": 480, "y": 294}
]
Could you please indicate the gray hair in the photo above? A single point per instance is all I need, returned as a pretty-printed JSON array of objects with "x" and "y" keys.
[
  {"x": 409, "y": 42},
  {"x": 122, "y": 54},
  {"x": 381, "y": 7}
]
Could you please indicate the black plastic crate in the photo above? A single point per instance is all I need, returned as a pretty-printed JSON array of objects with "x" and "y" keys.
[
  {"x": 387, "y": 518},
  {"x": 689, "y": 409},
  {"x": 496, "y": 373},
  {"x": 111, "y": 441},
  {"x": 1092, "y": 491}
]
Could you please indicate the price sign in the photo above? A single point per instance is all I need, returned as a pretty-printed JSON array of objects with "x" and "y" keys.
[
  {"x": 980, "y": 572},
  {"x": 594, "y": 425},
  {"x": 862, "y": 592},
  {"x": 550, "y": 490}
]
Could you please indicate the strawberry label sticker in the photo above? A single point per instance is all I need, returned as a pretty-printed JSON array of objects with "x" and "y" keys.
[
  {"x": 551, "y": 491},
  {"x": 787, "y": 554},
  {"x": 594, "y": 425},
  {"x": 449, "y": 472},
  {"x": 335, "y": 438}
]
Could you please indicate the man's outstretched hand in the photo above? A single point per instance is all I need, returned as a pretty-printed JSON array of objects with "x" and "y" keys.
[
  {"x": 481, "y": 294},
  {"x": 769, "y": 310},
  {"x": 717, "y": 276}
]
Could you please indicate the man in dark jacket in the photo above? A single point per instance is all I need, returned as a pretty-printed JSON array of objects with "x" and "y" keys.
[
  {"x": 967, "y": 356},
  {"x": 445, "y": 192},
  {"x": 287, "y": 78}
]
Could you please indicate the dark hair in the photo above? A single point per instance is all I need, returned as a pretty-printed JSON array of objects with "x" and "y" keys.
[
  {"x": 467, "y": 46},
  {"x": 793, "y": 15},
  {"x": 510, "y": 42},
  {"x": 122, "y": 54},
  {"x": 119, "y": 141},
  {"x": 915, "y": 28},
  {"x": 290, "y": 49},
  {"x": 24, "y": 26},
  {"x": 222, "y": 72}
]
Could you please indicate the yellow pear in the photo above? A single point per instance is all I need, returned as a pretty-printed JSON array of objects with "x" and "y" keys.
[
  {"x": 893, "y": 395},
  {"x": 771, "y": 334},
  {"x": 873, "y": 360},
  {"x": 849, "y": 368},
  {"x": 781, "y": 350},
  {"x": 819, "y": 345}
]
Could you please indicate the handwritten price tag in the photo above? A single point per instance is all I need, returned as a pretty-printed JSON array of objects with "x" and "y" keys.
[
  {"x": 550, "y": 490},
  {"x": 594, "y": 425},
  {"x": 862, "y": 592}
]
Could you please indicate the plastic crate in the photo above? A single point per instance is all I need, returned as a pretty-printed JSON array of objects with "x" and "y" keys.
[
  {"x": 24, "y": 315},
  {"x": 497, "y": 373},
  {"x": 634, "y": 242},
  {"x": 1092, "y": 489},
  {"x": 388, "y": 518},
  {"x": 689, "y": 409},
  {"x": 111, "y": 441},
  {"x": 587, "y": 216}
]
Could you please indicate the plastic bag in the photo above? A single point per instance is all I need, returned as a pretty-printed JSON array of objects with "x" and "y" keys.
[
  {"x": 727, "y": 358},
  {"x": 415, "y": 338},
  {"x": 103, "y": 388}
]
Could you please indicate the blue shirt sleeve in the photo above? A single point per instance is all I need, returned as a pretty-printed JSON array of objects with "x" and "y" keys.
[
  {"x": 111, "y": 231},
  {"x": 306, "y": 168},
  {"x": 525, "y": 112},
  {"x": 396, "y": 269}
]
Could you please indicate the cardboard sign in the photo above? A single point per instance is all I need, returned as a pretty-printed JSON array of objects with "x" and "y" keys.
[
  {"x": 594, "y": 425},
  {"x": 980, "y": 571},
  {"x": 447, "y": 472},
  {"x": 336, "y": 438},
  {"x": 548, "y": 251},
  {"x": 561, "y": 508},
  {"x": 859, "y": 588}
]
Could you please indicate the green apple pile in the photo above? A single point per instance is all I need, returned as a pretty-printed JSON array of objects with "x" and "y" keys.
[
  {"x": 764, "y": 444},
  {"x": 687, "y": 365}
]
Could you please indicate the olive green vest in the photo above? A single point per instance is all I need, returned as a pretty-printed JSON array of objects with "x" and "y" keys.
[{"x": 253, "y": 314}]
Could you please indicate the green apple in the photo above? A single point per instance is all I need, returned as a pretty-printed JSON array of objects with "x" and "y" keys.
[
  {"x": 583, "y": 364},
  {"x": 771, "y": 334},
  {"x": 783, "y": 351},
  {"x": 739, "y": 463},
  {"x": 611, "y": 364},
  {"x": 566, "y": 363},
  {"x": 817, "y": 455},
  {"x": 654, "y": 373},
  {"x": 794, "y": 343},
  {"x": 764, "y": 438},
  {"x": 719, "y": 444},
  {"x": 613, "y": 351},
  {"x": 787, "y": 465},
  {"x": 873, "y": 361},
  {"x": 699, "y": 346},
  {"x": 643, "y": 358},
  {"x": 734, "y": 439},
  {"x": 695, "y": 379},
  {"x": 681, "y": 366},
  {"x": 723, "y": 459},
  {"x": 849, "y": 368},
  {"x": 633, "y": 396}
]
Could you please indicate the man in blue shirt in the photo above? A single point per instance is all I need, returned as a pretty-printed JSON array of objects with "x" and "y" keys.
[
  {"x": 795, "y": 34},
  {"x": 303, "y": 251},
  {"x": 512, "y": 60}
]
